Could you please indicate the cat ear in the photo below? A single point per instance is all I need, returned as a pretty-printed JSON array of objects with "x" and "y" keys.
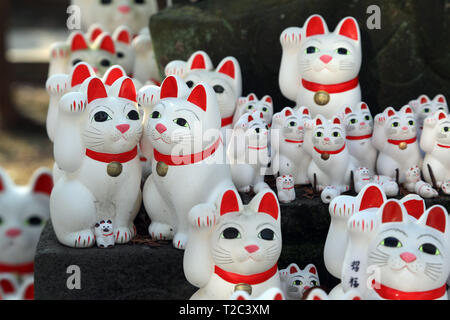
[
  {"x": 113, "y": 74},
  {"x": 407, "y": 110},
  {"x": 392, "y": 212},
  {"x": 94, "y": 31},
  {"x": 423, "y": 99},
  {"x": 169, "y": 88},
  {"x": 77, "y": 42},
  {"x": 293, "y": 268},
  {"x": 363, "y": 106},
  {"x": 96, "y": 90},
  {"x": 230, "y": 202},
  {"x": 348, "y": 27},
  {"x": 230, "y": 67},
  {"x": 42, "y": 181},
  {"x": 435, "y": 217},
  {"x": 441, "y": 115},
  {"x": 268, "y": 99},
  {"x": 305, "y": 111},
  {"x": 128, "y": 90},
  {"x": 390, "y": 111},
  {"x": 371, "y": 196},
  {"x": 336, "y": 120},
  {"x": 251, "y": 97},
  {"x": 311, "y": 269},
  {"x": 287, "y": 112},
  {"x": 106, "y": 43},
  {"x": 198, "y": 97},
  {"x": 440, "y": 98},
  {"x": 5, "y": 181},
  {"x": 348, "y": 110},
  {"x": 199, "y": 60},
  {"x": 318, "y": 121},
  {"x": 266, "y": 202},
  {"x": 414, "y": 205},
  {"x": 122, "y": 34},
  {"x": 315, "y": 25},
  {"x": 80, "y": 73}
]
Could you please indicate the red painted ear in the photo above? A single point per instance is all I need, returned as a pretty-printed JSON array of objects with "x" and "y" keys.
[
  {"x": 128, "y": 90},
  {"x": 251, "y": 97},
  {"x": 349, "y": 29},
  {"x": 228, "y": 69},
  {"x": 423, "y": 100},
  {"x": 293, "y": 269},
  {"x": 441, "y": 100},
  {"x": 315, "y": 26},
  {"x": 43, "y": 184},
  {"x": 113, "y": 75},
  {"x": 96, "y": 90},
  {"x": 318, "y": 122},
  {"x": 198, "y": 62},
  {"x": 268, "y": 99},
  {"x": 287, "y": 113},
  {"x": 7, "y": 286},
  {"x": 306, "y": 111},
  {"x": 278, "y": 296},
  {"x": 436, "y": 219},
  {"x": 78, "y": 43},
  {"x": 198, "y": 97},
  {"x": 95, "y": 33},
  {"x": 415, "y": 207},
  {"x": 229, "y": 203},
  {"x": 169, "y": 88},
  {"x": 364, "y": 106},
  {"x": 250, "y": 118},
  {"x": 336, "y": 120},
  {"x": 391, "y": 113},
  {"x": 392, "y": 212},
  {"x": 408, "y": 110},
  {"x": 29, "y": 292},
  {"x": 269, "y": 205},
  {"x": 107, "y": 44},
  {"x": 313, "y": 270},
  {"x": 80, "y": 73},
  {"x": 124, "y": 37},
  {"x": 372, "y": 198},
  {"x": 348, "y": 110},
  {"x": 442, "y": 115}
]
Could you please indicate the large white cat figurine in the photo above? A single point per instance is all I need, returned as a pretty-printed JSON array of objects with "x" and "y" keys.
[
  {"x": 230, "y": 244},
  {"x": 188, "y": 165},
  {"x": 319, "y": 69},
  {"x": 295, "y": 281},
  {"x": 95, "y": 146}
]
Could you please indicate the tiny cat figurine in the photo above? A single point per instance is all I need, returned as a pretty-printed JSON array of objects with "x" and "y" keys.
[
  {"x": 12, "y": 289},
  {"x": 182, "y": 136},
  {"x": 295, "y": 281},
  {"x": 270, "y": 294},
  {"x": 359, "y": 129},
  {"x": 424, "y": 107},
  {"x": 435, "y": 142},
  {"x": 331, "y": 163},
  {"x": 285, "y": 189},
  {"x": 104, "y": 234},
  {"x": 248, "y": 152},
  {"x": 289, "y": 155},
  {"x": 395, "y": 137},
  {"x": 232, "y": 244},
  {"x": 24, "y": 210},
  {"x": 251, "y": 104},
  {"x": 415, "y": 184},
  {"x": 319, "y": 69},
  {"x": 363, "y": 176},
  {"x": 226, "y": 80},
  {"x": 95, "y": 146}
]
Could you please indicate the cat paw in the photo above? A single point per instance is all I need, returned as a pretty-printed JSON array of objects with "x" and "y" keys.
[
  {"x": 380, "y": 119},
  {"x": 148, "y": 96},
  {"x": 342, "y": 207},
  {"x": 81, "y": 239},
  {"x": 203, "y": 215},
  {"x": 180, "y": 241},
  {"x": 73, "y": 103},
  {"x": 160, "y": 231},
  {"x": 430, "y": 122},
  {"x": 308, "y": 124},
  {"x": 122, "y": 235},
  {"x": 59, "y": 50},
  {"x": 291, "y": 38},
  {"x": 57, "y": 84},
  {"x": 176, "y": 68},
  {"x": 363, "y": 223}
]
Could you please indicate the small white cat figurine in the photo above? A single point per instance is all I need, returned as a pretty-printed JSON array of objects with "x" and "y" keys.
[
  {"x": 319, "y": 69},
  {"x": 95, "y": 146},
  {"x": 251, "y": 104},
  {"x": 24, "y": 210},
  {"x": 295, "y": 281},
  {"x": 363, "y": 176},
  {"x": 395, "y": 137},
  {"x": 415, "y": 184},
  {"x": 424, "y": 107},
  {"x": 232, "y": 244},
  {"x": 285, "y": 189},
  {"x": 104, "y": 234}
]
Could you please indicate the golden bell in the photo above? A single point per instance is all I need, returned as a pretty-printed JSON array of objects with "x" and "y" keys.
[
  {"x": 321, "y": 97},
  {"x": 325, "y": 156},
  {"x": 114, "y": 169},
  {"x": 403, "y": 145},
  {"x": 243, "y": 287},
  {"x": 162, "y": 168}
]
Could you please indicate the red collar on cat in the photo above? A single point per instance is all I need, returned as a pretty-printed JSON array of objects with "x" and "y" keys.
[
  {"x": 227, "y": 121},
  {"x": 330, "y": 152},
  {"x": 443, "y": 146},
  {"x": 18, "y": 268},
  {"x": 172, "y": 160},
  {"x": 110, "y": 157},
  {"x": 293, "y": 141},
  {"x": 250, "y": 279},
  {"x": 367, "y": 136},
  {"x": 331, "y": 88},
  {"x": 393, "y": 294},
  {"x": 397, "y": 142}
]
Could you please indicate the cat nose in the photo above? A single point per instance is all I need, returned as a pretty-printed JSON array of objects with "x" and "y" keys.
[
  {"x": 404, "y": 128},
  {"x": 160, "y": 128},
  {"x": 252, "y": 248},
  {"x": 300, "y": 128},
  {"x": 326, "y": 139},
  {"x": 12, "y": 233},
  {"x": 363, "y": 123},
  {"x": 408, "y": 257},
  {"x": 123, "y": 128},
  {"x": 326, "y": 58},
  {"x": 124, "y": 9}
]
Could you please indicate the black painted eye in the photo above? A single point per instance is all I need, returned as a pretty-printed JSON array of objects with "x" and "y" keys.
[
  {"x": 105, "y": 62},
  {"x": 120, "y": 55},
  {"x": 411, "y": 122},
  {"x": 311, "y": 49},
  {"x": 297, "y": 283},
  {"x": 139, "y": 1},
  {"x": 430, "y": 249},
  {"x": 76, "y": 61},
  {"x": 218, "y": 88},
  {"x": 101, "y": 116},
  {"x": 231, "y": 233},
  {"x": 314, "y": 283},
  {"x": 257, "y": 130},
  {"x": 105, "y": 1},
  {"x": 445, "y": 129},
  {"x": 391, "y": 242},
  {"x": 319, "y": 134},
  {"x": 367, "y": 118},
  {"x": 342, "y": 51},
  {"x": 426, "y": 110},
  {"x": 265, "y": 109},
  {"x": 133, "y": 115},
  {"x": 266, "y": 234},
  {"x": 336, "y": 134},
  {"x": 292, "y": 124},
  {"x": 353, "y": 121},
  {"x": 267, "y": 127},
  {"x": 190, "y": 83},
  {"x": 249, "y": 107},
  {"x": 181, "y": 122},
  {"x": 34, "y": 221},
  {"x": 156, "y": 115},
  {"x": 395, "y": 124}
]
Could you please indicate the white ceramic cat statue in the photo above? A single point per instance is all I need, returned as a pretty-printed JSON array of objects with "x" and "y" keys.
[
  {"x": 248, "y": 152},
  {"x": 395, "y": 137},
  {"x": 435, "y": 141},
  {"x": 363, "y": 176},
  {"x": 24, "y": 210},
  {"x": 12, "y": 289},
  {"x": 104, "y": 233},
  {"x": 295, "y": 281},
  {"x": 415, "y": 184},
  {"x": 359, "y": 129},
  {"x": 270, "y": 294},
  {"x": 288, "y": 152},
  {"x": 232, "y": 244},
  {"x": 285, "y": 189},
  {"x": 319, "y": 69},
  {"x": 251, "y": 104},
  {"x": 188, "y": 167},
  {"x": 424, "y": 107},
  {"x": 96, "y": 146}
]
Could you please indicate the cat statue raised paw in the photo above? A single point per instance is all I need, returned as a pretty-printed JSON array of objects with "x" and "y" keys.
[
  {"x": 319, "y": 69},
  {"x": 13, "y": 289},
  {"x": 96, "y": 148},
  {"x": 295, "y": 281},
  {"x": 363, "y": 176},
  {"x": 285, "y": 189},
  {"x": 232, "y": 244},
  {"x": 415, "y": 184},
  {"x": 251, "y": 104},
  {"x": 104, "y": 234}
]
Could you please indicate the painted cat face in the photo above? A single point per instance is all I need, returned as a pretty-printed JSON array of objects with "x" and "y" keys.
[
  {"x": 328, "y": 135},
  {"x": 180, "y": 125},
  {"x": 358, "y": 120},
  {"x": 400, "y": 125},
  {"x": 104, "y": 227},
  {"x": 330, "y": 57},
  {"x": 291, "y": 123},
  {"x": 412, "y": 254},
  {"x": 286, "y": 181},
  {"x": 247, "y": 240},
  {"x": 413, "y": 174},
  {"x": 441, "y": 127},
  {"x": 113, "y": 123},
  {"x": 256, "y": 131},
  {"x": 265, "y": 106},
  {"x": 24, "y": 210},
  {"x": 299, "y": 280},
  {"x": 424, "y": 107},
  {"x": 362, "y": 174}
]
